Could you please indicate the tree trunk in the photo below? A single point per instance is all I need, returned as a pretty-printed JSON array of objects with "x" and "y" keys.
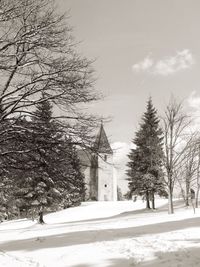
[
  {"x": 147, "y": 200},
  {"x": 41, "y": 220},
  {"x": 197, "y": 197},
  {"x": 187, "y": 201},
  {"x": 153, "y": 201},
  {"x": 187, "y": 192},
  {"x": 170, "y": 202},
  {"x": 32, "y": 214}
]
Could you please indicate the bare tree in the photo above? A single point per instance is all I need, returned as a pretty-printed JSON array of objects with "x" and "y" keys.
[
  {"x": 197, "y": 177},
  {"x": 38, "y": 58},
  {"x": 188, "y": 169},
  {"x": 175, "y": 122},
  {"x": 192, "y": 173}
]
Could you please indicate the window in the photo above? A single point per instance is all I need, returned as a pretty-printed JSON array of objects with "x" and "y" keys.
[{"x": 105, "y": 185}]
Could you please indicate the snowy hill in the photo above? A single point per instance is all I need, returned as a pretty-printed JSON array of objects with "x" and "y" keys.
[{"x": 104, "y": 234}]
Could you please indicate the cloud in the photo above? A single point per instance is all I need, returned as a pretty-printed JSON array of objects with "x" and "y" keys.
[
  {"x": 194, "y": 101},
  {"x": 121, "y": 150},
  {"x": 168, "y": 65},
  {"x": 146, "y": 64}
]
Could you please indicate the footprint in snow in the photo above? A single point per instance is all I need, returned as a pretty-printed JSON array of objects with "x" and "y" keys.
[{"x": 40, "y": 239}]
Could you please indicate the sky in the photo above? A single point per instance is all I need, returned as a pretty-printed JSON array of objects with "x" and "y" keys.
[{"x": 141, "y": 49}]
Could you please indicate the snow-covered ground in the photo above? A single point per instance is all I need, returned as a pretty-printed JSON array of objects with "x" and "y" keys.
[{"x": 100, "y": 234}]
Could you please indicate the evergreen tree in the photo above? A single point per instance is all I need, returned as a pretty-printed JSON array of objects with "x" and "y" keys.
[
  {"x": 36, "y": 166},
  {"x": 119, "y": 194},
  {"x": 49, "y": 172},
  {"x": 7, "y": 201},
  {"x": 145, "y": 166},
  {"x": 75, "y": 192}
]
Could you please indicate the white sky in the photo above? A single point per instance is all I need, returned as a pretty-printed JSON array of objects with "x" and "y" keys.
[{"x": 141, "y": 48}]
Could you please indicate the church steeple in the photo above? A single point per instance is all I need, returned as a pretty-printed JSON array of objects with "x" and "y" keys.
[{"x": 101, "y": 144}]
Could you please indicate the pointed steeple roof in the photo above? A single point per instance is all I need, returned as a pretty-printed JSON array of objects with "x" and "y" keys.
[{"x": 101, "y": 143}]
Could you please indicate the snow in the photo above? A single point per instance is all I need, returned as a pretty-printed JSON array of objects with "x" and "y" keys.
[{"x": 104, "y": 234}]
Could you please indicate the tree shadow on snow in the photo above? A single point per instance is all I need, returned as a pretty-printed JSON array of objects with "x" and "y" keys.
[
  {"x": 88, "y": 237},
  {"x": 119, "y": 262},
  {"x": 189, "y": 257}
]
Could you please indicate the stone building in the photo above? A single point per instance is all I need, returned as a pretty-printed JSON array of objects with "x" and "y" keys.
[{"x": 101, "y": 183}]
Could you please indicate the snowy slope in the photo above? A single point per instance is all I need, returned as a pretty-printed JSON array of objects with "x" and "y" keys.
[{"x": 104, "y": 234}]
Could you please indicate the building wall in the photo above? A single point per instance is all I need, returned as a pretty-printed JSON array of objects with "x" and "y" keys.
[
  {"x": 114, "y": 184},
  {"x": 106, "y": 185},
  {"x": 100, "y": 178},
  {"x": 86, "y": 173}
]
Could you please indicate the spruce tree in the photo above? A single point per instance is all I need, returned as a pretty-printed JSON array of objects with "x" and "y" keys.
[
  {"x": 7, "y": 201},
  {"x": 36, "y": 167},
  {"x": 145, "y": 166},
  {"x": 49, "y": 175},
  {"x": 74, "y": 194}
]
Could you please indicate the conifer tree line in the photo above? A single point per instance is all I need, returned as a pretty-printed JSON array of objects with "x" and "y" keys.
[
  {"x": 45, "y": 86},
  {"x": 40, "y": 166},
  {"x": 165, "y": 155}
]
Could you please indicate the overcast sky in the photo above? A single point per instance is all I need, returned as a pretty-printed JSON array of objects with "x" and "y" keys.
[{"x": 142, "y": 48}]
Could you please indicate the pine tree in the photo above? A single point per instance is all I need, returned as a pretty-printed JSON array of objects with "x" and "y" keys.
[
  {"x": 119, "y": 194},
  {"x": 49, "y": 172},
  {"x": 7, "y": 202},
  {"x": 36, "y": 166},
  {"x": 145, "y": 166},
  {"x": 75, "y": 193}
]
